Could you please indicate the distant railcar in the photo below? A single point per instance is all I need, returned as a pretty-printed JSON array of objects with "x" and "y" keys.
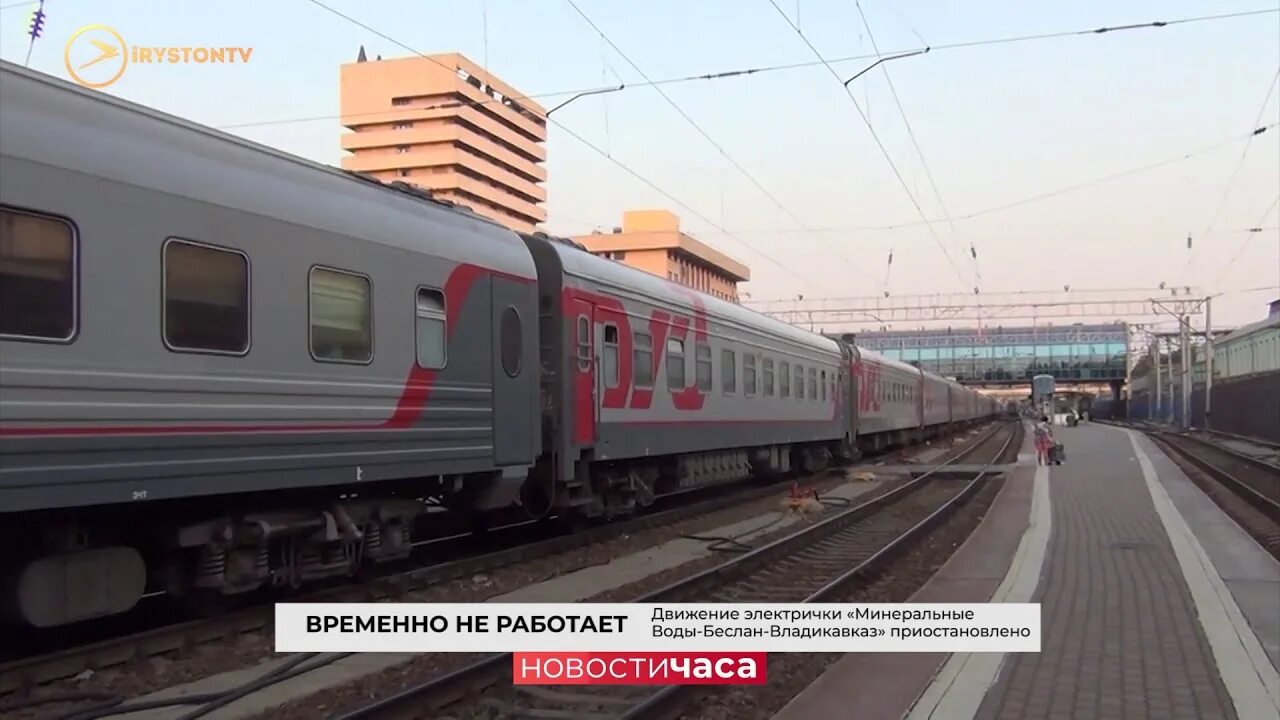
[
  {"x": 223, "y": 368},
  {"x": 1042, "y": 386}
]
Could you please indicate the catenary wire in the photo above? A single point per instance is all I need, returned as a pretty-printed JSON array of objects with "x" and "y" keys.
[
  {"x": 1041, "y": 196},
  {"x": 584, "y": 141},
  {"x": 701, "y": 131},
  {"x": 1235, "y": 174},
  {"x": 725, "y": 74},
  {"x": 883, "y": 150},
  {"x": 1245, "y": 243},
  {"x": 942, "y": 205}
]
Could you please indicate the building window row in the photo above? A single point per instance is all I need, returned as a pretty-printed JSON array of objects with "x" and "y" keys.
[
  {"x": 486, "y": 158},
  {"x": 501, "y": 187},
  {"x": 500, "y": 142},
  {"x": 502, "y": 99},
  {"x": 442, "y": 122},
  {"x": 205, "y": 297},
  {"x": 679, "y": 279},
  {"x": 472, "y": 200},
  {"x": 425, "y": 170},
  {"x": 464, "y": 147},
  {"x": 457, "y": 99},
  {"x": 698, "y": 276}
]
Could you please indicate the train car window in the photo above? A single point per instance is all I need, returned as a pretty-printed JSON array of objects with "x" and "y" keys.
[
  {"x": 512, "y": 342},
  {"x": 748, "y": 374},
  {"x": 643, "y": 357},
  {"x": 206, "y": 298},
  {"x": 38, "y": 260},
  {"x": 823, "y": 384},
  {"x": 784, "y": 380},
  {"x": 431, "y": 335},
  {"x": 675, "y": 364},
  {"x": 609, "y": 357},
  {"x": 341, "y": 316},
  {"x": 728, "y": 372},
  {"x": 584, "y": 343},
  {"x": 702, "y": 366},
  {"x": 813, "y": 384},
  {"x": 767, "y": 371},
  {"x": 799, "y": 382}
]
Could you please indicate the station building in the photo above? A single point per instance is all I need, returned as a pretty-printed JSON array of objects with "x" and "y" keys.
[
  {"x": 1079, "y": 353},
  {"x": 651, "y": 240},
  {"x": 447, "y": 126}
]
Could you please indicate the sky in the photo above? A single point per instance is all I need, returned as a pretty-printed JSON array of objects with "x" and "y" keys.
[{"x": 778, "y": 169}]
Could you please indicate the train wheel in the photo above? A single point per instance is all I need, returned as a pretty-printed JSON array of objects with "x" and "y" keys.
[
  {"x": 478, "y": 524},
  {"x": 208, "y": 603}
]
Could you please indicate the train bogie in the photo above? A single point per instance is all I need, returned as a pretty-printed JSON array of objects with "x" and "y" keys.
[
  {"x": 256, "y": 332},
  {"x": 662, "y": 389},
  {"x": 277, "y": 372}
]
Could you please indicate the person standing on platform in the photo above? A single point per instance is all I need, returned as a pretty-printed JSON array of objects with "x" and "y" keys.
[{"x": 1044, "y": 441}]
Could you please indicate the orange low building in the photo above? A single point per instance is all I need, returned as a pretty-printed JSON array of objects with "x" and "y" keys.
[
  {"x": 651, "y": 240},
  {"x": 449, "y": 127}
]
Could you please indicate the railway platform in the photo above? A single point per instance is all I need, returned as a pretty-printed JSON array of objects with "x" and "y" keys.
[{"x": 1155, "y": 604}]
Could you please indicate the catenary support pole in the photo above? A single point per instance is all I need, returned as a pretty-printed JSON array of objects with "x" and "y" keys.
[
  {"x": 1208, "y": 363},
  {"x": 1186, "y": 372},
  {"x": 1156, "y": 410}
]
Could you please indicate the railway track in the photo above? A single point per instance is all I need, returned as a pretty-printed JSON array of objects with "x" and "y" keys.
[
  {"x": 807, "y": 566},
  {"x": 1245, "y": 487},
  {"x": 1242, "y": 438},
  {"x": 183, "y": 638}
]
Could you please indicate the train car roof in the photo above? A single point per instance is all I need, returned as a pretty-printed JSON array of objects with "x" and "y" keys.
[
  {"x": 879, "y": 359},
  {"x": 1247, "y": 330},
  {"x": 50, "y": 121},
  {"x": 580, "y": 263}
]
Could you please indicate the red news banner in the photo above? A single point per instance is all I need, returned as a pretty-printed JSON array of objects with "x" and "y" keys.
[
  {"x": 639, "y": 668},
  {"x": 678, "y": 644}
]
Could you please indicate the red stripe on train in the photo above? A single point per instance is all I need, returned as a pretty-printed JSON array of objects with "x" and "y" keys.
[{"x": 412, "y": 401}]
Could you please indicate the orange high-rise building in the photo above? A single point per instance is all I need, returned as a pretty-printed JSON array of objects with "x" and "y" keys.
[
  {"x": 449, "y": 127},
  {"x": 651, "y": 240}
]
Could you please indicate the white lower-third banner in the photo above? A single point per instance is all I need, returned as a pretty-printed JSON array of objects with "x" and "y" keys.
[{"x": 702, "y": 627}]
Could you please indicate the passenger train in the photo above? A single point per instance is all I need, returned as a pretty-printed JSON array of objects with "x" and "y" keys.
[{"x": 223, "y": 367}]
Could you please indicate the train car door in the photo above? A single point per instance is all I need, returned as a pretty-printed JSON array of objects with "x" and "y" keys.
[
  {"x": 581, "y": 314},
  {"x": 849, "y": 386},
  {"x": 918, "y": 383},
  {"x": 514, "y": 324}
]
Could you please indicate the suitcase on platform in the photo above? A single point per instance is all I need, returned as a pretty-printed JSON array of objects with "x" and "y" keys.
[{"x": 1057, "y": 454}]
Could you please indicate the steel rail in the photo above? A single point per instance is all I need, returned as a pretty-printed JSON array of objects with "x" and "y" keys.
[
  {"x": 1243, "y": 457},
  {"x": 1243, "y": 438},
  {"x": 437, "y": 693},
  {"x": 1243, "y": 489},
  {"x": 181, "y": 637},
  {"x": 670, "y": 702}
]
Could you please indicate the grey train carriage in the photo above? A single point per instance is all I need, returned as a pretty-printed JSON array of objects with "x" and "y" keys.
[{"x": 224, "y": 368}]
